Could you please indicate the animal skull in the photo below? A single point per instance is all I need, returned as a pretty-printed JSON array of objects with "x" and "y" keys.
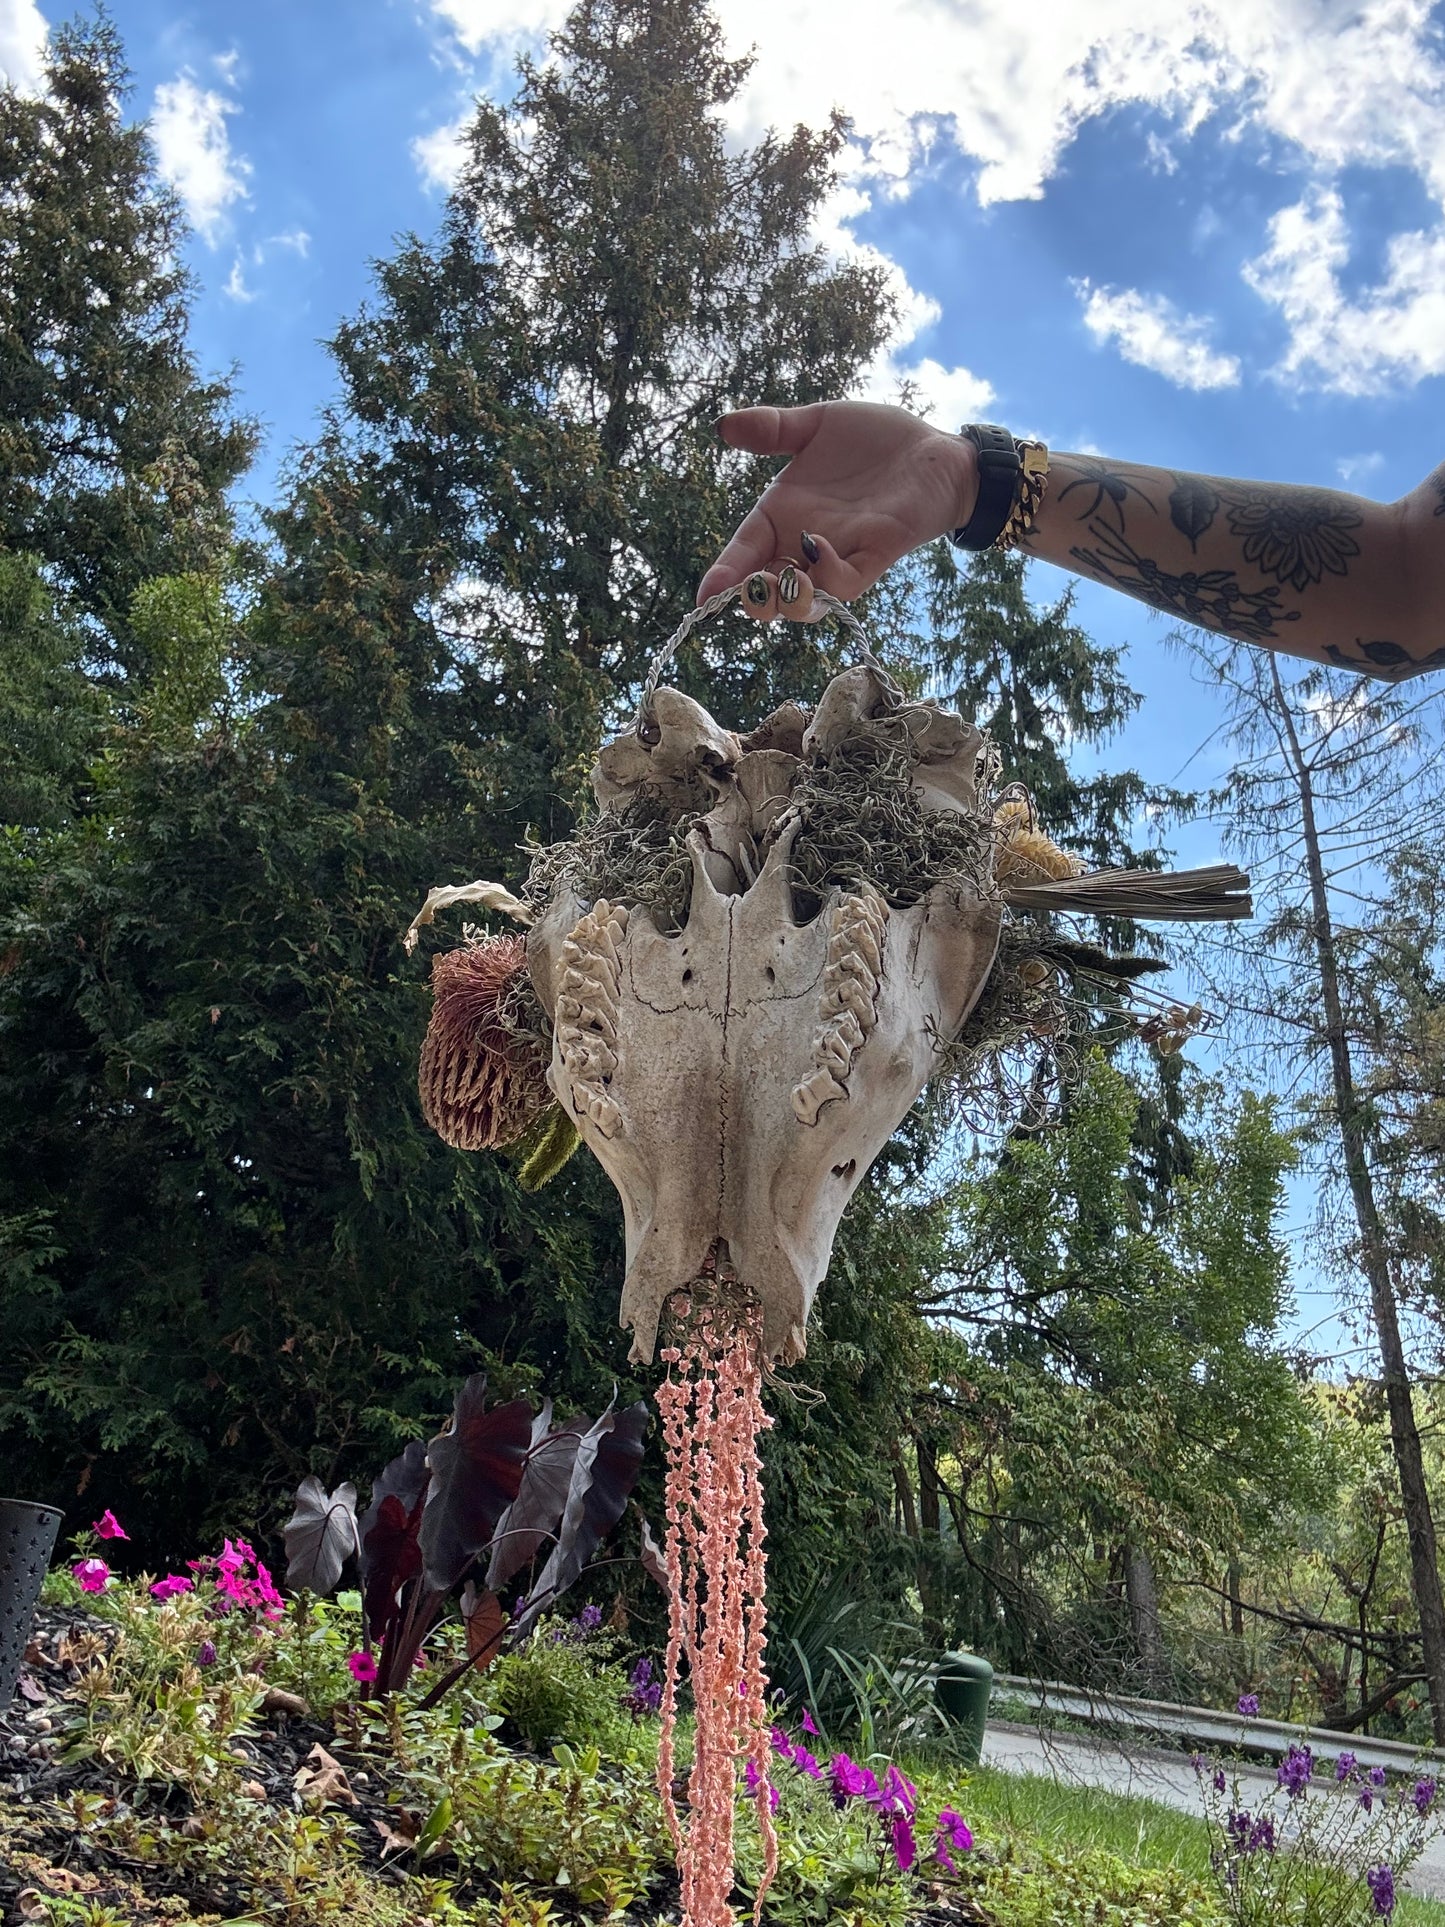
[{"x": 737, "y": 1078}]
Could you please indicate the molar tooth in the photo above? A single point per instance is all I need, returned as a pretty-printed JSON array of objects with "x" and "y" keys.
[
  {"x": 816, "y": 1090},
  {"x": 852, "y": 996},
  {"x": 850, "y": 1031}
]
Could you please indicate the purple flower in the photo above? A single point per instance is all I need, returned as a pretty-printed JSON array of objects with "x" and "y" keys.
[
  {"x": 1381, "y": 1883},
  {"x": 107, "y": 1526},
  {"x": 589, "y": 1619},
  {"x": 781, "y": 1742},
  {"x": 1294, "y": 1770},
  {"x": 173, "y": 1583},
  {"x": 808, "y": 1727},
  {"x": 205, "y": 1654},
  {"x": 806, "y": 1762},
  {"x": 1248, "y": 1705},
  {"x": 93, "y": 1575},
  {"x": 1366, "y": 1799},
  {"x": 1219, "y": 1781},
  {"x": 1423, "y": 1795},
  {"x": 850, "y": 1780},
  {"x": 644, "y": 1694},
  {"x": 1196, "y": 1760},
  {"x": 1346, "y": 1767},
  {"x": 896, "y": 1795},
  {"x": 752, "y": 1776},
  {"x": 1377, "y": 1776},
  {"x": 954, "y": 1837},
  {"x": 905, "y": 1848}
]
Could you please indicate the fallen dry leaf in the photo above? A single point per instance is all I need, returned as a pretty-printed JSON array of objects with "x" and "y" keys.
[
  {"x": 401, "y": 1837},
  {"x": 253, "y": 1789},
  {"x": 277, "y": 1700},
  {"x": 31, "y": 1690},
  {"x": 33, "y": 1654},
  {"x": 322, "y": 1779},
  {"x": 32, "y": 1904}
]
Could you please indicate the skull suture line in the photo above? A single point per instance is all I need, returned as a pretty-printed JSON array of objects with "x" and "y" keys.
[{"x": 736, "y": 1078}]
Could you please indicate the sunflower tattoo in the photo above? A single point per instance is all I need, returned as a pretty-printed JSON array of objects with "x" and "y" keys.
[{"x": 1297, "y": 539}]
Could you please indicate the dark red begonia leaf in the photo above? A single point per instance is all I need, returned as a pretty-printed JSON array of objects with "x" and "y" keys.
[
  {"x": 604, "y": 1472},
  {"x": 535, "y": 1514}
]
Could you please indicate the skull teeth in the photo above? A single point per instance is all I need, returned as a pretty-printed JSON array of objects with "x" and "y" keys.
[
  {"x": 586, "y": 1012},
  {"x": 848, "y": 1008}
]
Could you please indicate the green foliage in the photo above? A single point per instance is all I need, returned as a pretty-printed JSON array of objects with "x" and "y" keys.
[
  {"x": 558, "y": 1688},
  {"x": 115, "y": 455},
  {"x": 1093, "y": 1889}
]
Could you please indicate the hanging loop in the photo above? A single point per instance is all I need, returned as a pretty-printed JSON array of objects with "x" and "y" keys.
[{"x": 723, "y": 599}]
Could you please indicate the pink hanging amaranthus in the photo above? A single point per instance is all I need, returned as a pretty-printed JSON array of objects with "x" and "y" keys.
[{"x": 712, "y": 1417}]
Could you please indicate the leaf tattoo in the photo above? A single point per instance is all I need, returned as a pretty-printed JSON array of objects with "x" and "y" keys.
[
  {"x": 1193, "y": 505},
  {"x": 1387, "y": 660},
  {"x": 1212, "y": 596}
]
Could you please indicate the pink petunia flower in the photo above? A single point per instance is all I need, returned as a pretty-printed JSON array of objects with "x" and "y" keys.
[
  {"x": 905, "y": 1849},
  {"x": 808, "y": 1725},
  {"x": 363, "y": 1668},
  {"x": 173, "y": 1583},
  {"x": 954, "y": 1836},
  {"x": 93, "y": 1575},
  {"x": 107, "y": 1526}
]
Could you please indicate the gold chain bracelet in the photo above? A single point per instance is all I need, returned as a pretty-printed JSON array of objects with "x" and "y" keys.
[{"x": 1033, "y": 481}]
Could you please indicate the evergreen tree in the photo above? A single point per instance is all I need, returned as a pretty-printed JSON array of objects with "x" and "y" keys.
[{"x": 115, "y": 455}]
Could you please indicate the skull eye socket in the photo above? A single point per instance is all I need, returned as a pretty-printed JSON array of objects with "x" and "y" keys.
[{"x": 846, "y": 1171}]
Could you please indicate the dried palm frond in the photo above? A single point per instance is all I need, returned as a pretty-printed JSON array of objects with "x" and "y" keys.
[
  {"x": 483, "y": 1064},
  {"x": 1217, "y": 892}
]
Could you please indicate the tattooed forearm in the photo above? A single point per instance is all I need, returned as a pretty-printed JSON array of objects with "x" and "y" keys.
[
  {"x": 1315, "y": 571},
  {"x": 1212, "y": 596}
]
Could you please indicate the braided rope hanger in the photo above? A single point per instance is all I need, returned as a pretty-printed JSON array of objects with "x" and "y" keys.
[{"x": 723, "y": 598}]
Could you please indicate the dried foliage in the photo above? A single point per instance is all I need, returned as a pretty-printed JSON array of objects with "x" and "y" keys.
[{"x": 483, "y": 1076}]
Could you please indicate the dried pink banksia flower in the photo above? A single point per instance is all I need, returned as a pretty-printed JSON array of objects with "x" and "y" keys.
[{"x": 482, "y": 1079}]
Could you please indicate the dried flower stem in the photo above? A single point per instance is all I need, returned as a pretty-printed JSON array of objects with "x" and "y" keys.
[{"x": 712, "y": 1418}]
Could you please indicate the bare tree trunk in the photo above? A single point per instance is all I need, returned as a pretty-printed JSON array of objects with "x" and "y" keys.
[
  {"x": 1404, "y": 1433},
  {"x": 930, "y": 1545},
  {"x": 1142, "y": 1593}
]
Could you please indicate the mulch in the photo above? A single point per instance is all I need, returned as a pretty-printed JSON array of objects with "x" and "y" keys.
[{"x": 43, "y": 1854}]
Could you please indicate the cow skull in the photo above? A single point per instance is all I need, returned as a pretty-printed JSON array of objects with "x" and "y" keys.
[{"x": 736, "y": 1078}]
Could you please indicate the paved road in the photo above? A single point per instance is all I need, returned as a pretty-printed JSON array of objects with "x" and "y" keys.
[{"x": 1081, "y": 1759}]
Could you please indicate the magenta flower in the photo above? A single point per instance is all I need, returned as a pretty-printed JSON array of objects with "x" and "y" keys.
[
  {"x": 93, "y": 1575},
  {"x": 897, "y": 1795},
  {"x": 954, "y": 1836},
  {"x": 806, "y": 1762},
  {"x": 808, "y": 1727},
  {"x": 172, "y": 1584},
  {"x": 851, "y": 1781},
  {"x": 107, "y": 1526},
  {"x": 363, "y": 1668},
  {"x": 905, "y": 1848}
]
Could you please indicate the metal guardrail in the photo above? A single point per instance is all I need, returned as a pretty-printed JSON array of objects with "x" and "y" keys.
[{"x": 1204, "y": 1726}]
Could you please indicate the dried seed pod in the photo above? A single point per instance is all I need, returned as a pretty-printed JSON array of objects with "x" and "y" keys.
[{"x": 482, "y": 1079}]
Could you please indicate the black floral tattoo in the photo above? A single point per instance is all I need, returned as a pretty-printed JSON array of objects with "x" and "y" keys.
[
  {"x": 1193, "y": 505},
  {"x": 1212, "y": 596},
  {"x": 1297, "y": 538},
  {"x": 1109, "y": 484},
  {"x": 1387, "y": 660}
]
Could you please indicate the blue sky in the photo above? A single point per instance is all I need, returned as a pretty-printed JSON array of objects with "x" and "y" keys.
[{"x": 1207, "y": 235}]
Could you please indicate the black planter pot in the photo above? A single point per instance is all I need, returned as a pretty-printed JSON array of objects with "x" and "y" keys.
[{"x": 27, "y": 1536}]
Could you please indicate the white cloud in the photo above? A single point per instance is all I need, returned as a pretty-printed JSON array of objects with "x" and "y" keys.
[
  {"x": 235, "y": 286},
  {"x": 193, "y": 151},
  {"x": 1359, "y": 468},
  {"x": 22, "y": 44},
  {"x": 296, "y": 239},
  {"x": 1149, "y": 330},
  {"x": 1393, "y": 333},
  {"x": 439, "y": 154},
  {"x": 1329, "y": 83}
]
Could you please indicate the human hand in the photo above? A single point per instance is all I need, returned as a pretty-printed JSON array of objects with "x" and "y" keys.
[{"x": 866, "y": 483}]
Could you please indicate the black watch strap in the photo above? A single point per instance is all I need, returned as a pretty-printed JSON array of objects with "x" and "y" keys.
[{"x": 998, "y": 478}]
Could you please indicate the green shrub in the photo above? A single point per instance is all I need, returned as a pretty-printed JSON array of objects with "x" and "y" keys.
[{"x": 558, "y": 1688}]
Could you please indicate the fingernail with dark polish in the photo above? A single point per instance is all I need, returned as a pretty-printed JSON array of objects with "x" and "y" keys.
[
  {"x": 788, "y": 586},
  {"x": 810, "y": 547},
  {"x": 759, "y": 590}
]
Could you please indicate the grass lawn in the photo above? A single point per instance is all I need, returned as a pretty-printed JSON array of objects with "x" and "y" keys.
[{"x": 1140, "y": 1831}]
